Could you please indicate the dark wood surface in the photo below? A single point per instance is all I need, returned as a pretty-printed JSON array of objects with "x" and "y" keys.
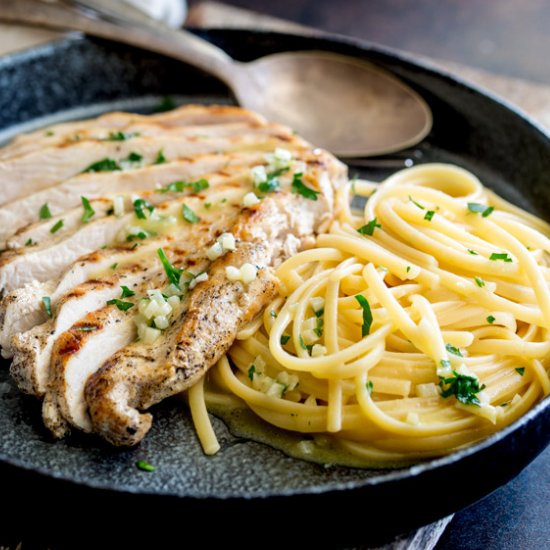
[{"x": 509, "y": 37}]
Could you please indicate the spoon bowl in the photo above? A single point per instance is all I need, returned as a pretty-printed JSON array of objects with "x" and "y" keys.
[
  {"x": 350, "y": 107},
  {"x": 347, "y": 106}
]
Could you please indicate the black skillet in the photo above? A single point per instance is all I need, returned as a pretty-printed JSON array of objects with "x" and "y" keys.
[{"x": 51, "y": 488}]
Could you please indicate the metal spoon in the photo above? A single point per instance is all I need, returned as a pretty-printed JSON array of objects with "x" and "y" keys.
[{"x": 343, "y": 104}]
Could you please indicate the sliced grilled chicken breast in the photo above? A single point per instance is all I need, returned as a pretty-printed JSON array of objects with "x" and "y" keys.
[{"x": 83, "y": 355}]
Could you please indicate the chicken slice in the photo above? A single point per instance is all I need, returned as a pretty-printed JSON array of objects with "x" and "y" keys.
[
  {"x": 59, "y": 198},
  {"x": 46, "y": 167},
  {"x": 189, "y": 115},
  {"x": 141, "y": 375}
]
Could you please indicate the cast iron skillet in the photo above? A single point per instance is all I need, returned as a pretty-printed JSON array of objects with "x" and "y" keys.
[{"x": 54, "y": 486}]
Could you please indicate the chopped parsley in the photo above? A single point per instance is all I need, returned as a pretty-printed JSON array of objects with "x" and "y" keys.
[
  {"x": 161, "y": 159},
  {"x": 319, "y": 328},
  {"x": 451, "y": 349},
  {"x": 300, "y": 188},
  {"x": 121, "y": 136},
  {"x": 126, "y": 292},
  {"x": 482, "y": 209},
  {"x": 104, "y": 165},
  {"x": 368, "y": 229},
  {"x": 445, "y": 364},
  {"x": 173, "y": 273},
  {"x": 29, "y": 242},
  {"x": 120, "y": 304},
  {"x": 134, "y": 157},
  {"x": 367, "y": 314},
  {"x": 166, "y": 104},
  {"x": 44, "y": 213},
  {"x": 57, "y": 226},
  {"x": 408, "y": 268},
  {"x": 462, "y": 386},
  {"x": 273, "y": 314},
  {"x": 479, "y": 282},
  {"x": 89, "y": 212},
  {"x": 47, "y": 303},
  {"x": 140, "y": 205},
  {"x": 251, "y": 372},
  {"x": 272, "y": 184},
  {"x": 139, "y": 235},
  {"x": 520, "y": 371},
  {"x": 504, "y": 257},
  {"x": 179, "y": 186},
  {"x": 416, "y": 203},
  {"x": 50, "y": 133},
  {"x": 491, "y": 319},
  {"x": 114, "y": 266},
  {"x": 284, "y": 339},
  {"x": 188, "y": 215},
  {"x": 370, "y": 386},
  {"x": 429, "y": 215},
  {"x": 302, "y": 343},
  {"x": 472, "y": 252},
  {"x": 207, "y": 205},
  {"x": 145, "y": 466},
  {"x": 319, "y": 312}
]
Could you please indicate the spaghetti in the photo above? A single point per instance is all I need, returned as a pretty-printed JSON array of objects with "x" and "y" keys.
[{"x": 413, "y": 328}]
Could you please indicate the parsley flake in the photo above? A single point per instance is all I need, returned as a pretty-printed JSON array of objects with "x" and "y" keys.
[
  {"x": 479, "y": 282},
  {"x": 120, "y": 304},
  {"x": 145, "y": 466},
  {"x": 472, "y": 252},
  {"x": 29, "y": 242},
  {"x": 416, "y": 203},
  {"x": 300, "y": 188},
  {"x": 47, "y": 303},
  {"x": 367, "y": 314},
  {"x": 482, "y": 209},
  {"x": 173, "y": 273},
  {"x": 451, "y": 349},
  {"x": 491, "y": 319},
  {"x": 188, "y": 215},
  {"x": 134, "y": 157},
  {"x": 140, "y": 205},
  {"x": 104, "y": 165},
  {"x": 121, "y": 136},
  {"x": 126, "y": 292},
  {"x": 284, "y": 339},
  {"x": 179, "y": 186},
  {"x": 57, "y": 226},
  {"x": 520, "y": 371},
  {"x": 504, "y": 257},
  {"x": 167, "y": 103},
  {"x": 429, "y": 215},
  {"x": 251, "y": 372},
  {"x": 370, "y": 387},
  {"x": 368, "y": 229},
  {"x": 161, "y": 159},
  {"x": 89, "y": 212},
  {"x": 461, "y": 386},
  {"x": 44, "y": 213}
]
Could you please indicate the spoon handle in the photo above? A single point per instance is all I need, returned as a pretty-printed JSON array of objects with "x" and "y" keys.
[
  {"x": 177, "y": 42},
  {"x": 137, "y": 29}
]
